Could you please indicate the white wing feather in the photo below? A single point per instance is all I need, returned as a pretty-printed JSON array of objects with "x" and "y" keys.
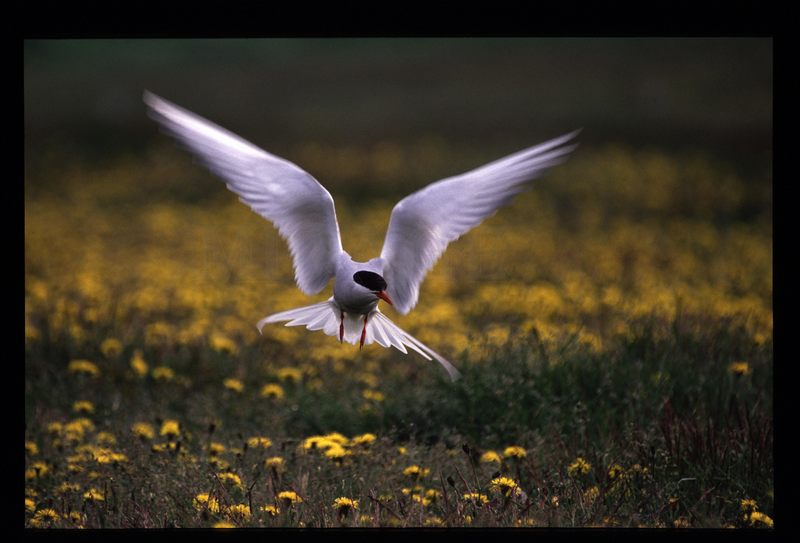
[
  {"x": 275, "y": 188},
  {"x": 424, "y": 223}
]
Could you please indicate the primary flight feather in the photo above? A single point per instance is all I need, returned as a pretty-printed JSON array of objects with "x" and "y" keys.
[{"x": 420, "y": 227}]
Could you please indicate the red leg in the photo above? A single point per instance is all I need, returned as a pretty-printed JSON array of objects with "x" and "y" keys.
[
  {"x": 341, "y": 327},
  {"x": 363, "y": 332}
]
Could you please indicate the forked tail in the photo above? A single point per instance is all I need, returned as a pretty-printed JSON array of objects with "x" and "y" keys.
[{"x": 326, "y": 316}]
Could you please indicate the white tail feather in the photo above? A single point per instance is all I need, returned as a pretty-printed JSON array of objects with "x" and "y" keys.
[{"x": 326, "y": 316}]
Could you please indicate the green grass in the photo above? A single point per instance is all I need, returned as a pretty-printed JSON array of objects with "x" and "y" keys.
[{"x": 663, "y": 398}]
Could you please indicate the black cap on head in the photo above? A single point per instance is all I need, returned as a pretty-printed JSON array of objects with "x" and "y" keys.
[{"x": 370, "y": 280}]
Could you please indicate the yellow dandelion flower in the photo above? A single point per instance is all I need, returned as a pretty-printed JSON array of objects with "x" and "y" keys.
[
  {"x": 163, "y": 373},
  {"x": 289, "y": 374},
  {"x": 271, "y": 390},
  {"x": 363, "y": 439},
  {"x": 402, "y": 451},
  {"x": 170, "y": 428},
  {"x": 336, "y": 437},
  {"x": 289, "y": 498},
  {"x": 740, "y": 368},
  {"x": 239, "y": 510},
  {"x": 591, "y": 494},
  {"x": 30, "y": 505},
  {"x": 206, "y": 501},
  {"x": 344, "y": 505},
  {"x": 230, "y": 478},
  {"x": 415, "y": 472},
  {"x": 107, "y": 456},
  {"x": 158, "y": 333},
  {"x": 424, "y": 500},
  {"x": 111, "y": 347},
  {"x": 223, "y": 524},
  {"x": 76, "y": 517},
  {"x": 491, "y": 456},
  {"x": 759, "y": 517},
  {"x": 44, "y": 517},
  {"x": 433, "y": 521},
  {"x": 138, "y": 364},
  {"x": 476, "y": 498},
  {"x": 105, "y": 438},
  {"x": 55, "y": 428},
  {"x": 83, "y": 367},
  {"x": 681, "y": 522},
  {"x": 37, "y": 470},
  {"x": 223, "y": 344},
  {"x": 66, "y": 488},
  {"x": 748, "y": 505},
  {"x": 271, "y": 510},
  {"x": 337, "y": 452},
  {"x": 505, "y": 485},
  {"x": 412, "y": 491},
  {"x": 373, "y": 395},
  {"x": 83, "y": 406},
  {"x": 579, "y": 467},
  {"x": 274, "y": 462},
  {"x": 215, "y": 448},
  {"x": 233, "y": 384},
  {"x": 77, "y": 428},
  {"x": 615, "y": 471},
  {"x": 143, "y": 430},
  {"x": 259, "y": 443},
  {"x": 316, "y": 442},
  {"x": 514, "y": 452},
  {"x": 93, "y": 495},
  {"x": 433, "y": 494},
  {"x": 31, "y": 448}
]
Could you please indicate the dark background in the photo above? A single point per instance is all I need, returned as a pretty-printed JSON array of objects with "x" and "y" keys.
[{"x": 83, "y": 98}]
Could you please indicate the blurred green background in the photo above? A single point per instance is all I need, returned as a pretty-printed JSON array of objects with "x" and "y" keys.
[{"x": 484, "y": 96}]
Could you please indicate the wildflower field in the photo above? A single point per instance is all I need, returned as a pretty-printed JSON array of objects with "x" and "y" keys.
[{"x": 613, "y": 327}]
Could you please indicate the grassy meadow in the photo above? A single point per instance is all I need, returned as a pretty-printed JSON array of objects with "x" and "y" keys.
[{"x": 613, "y": 327}]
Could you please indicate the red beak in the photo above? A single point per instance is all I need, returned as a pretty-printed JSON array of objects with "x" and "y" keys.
[{"x": 383, "y": 296}]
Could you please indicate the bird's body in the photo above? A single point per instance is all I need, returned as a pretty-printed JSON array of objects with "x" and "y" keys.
[
  {"x": 353, "y": 297},
  {"x": 420, "y": 228}
]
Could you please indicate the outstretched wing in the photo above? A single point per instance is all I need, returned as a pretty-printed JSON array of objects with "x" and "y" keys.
[
  {"x": 424, "y": 223},
  {"x": 281, "y": 192}
]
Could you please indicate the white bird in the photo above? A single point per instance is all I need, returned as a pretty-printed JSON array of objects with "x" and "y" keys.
[{"x": 420, "y": 228}]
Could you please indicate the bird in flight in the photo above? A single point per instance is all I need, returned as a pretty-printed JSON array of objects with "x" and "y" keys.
[{"x": 420, "y": 227}]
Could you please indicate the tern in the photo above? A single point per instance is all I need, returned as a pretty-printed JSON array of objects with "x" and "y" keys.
[{"x": 420, "y": 227}]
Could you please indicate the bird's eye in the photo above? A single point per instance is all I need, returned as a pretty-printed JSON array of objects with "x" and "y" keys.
[{"x": 370, "y": 280}]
